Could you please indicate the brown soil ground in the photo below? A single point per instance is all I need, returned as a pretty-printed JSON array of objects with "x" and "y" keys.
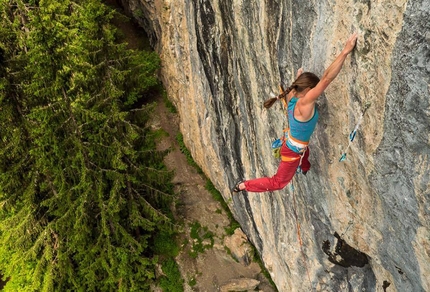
[{"x": 215, "y": 266}]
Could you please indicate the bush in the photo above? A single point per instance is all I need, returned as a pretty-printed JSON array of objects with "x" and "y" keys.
[{"x": 172, "y": 281}]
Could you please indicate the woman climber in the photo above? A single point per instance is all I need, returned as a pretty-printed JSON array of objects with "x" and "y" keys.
[{"x": 300, "y": 100}]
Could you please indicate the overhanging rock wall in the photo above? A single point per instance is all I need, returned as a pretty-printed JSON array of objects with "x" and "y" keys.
[{"x": 363, "y": 223}]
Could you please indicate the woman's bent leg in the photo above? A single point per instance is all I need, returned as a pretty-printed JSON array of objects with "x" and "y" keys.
[{"x": 283, "y": 176}]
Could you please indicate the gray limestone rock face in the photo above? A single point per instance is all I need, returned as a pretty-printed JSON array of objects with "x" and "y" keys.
[{"x": 357, "y": 225}]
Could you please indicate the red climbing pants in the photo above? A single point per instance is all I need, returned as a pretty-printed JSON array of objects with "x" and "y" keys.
[{"x": 283, "y": 176}]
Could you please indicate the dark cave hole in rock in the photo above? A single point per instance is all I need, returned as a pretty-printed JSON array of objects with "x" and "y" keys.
[{"x": 344, "y": 255}]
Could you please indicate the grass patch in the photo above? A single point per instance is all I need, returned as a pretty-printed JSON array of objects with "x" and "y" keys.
[
  {"x": 192, "y": 282},
  {"x": 159, "y": 134},
  {"x": 218, "y": 197},
  {"x": 187, "y": 153},
  {"x": 264, "y": 271},
  {"x": 200, "y": 234},
  {"x": 169, "y": 104}
]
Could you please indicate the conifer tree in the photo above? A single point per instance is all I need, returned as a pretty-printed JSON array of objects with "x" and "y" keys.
[{"x": 82, "y": 190}]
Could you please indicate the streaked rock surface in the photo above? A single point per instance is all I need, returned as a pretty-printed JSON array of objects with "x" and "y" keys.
[{"x": 222, "y": 59}]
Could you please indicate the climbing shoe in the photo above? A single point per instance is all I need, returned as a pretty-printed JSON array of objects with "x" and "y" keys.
[{"x": 236, "y": 188}]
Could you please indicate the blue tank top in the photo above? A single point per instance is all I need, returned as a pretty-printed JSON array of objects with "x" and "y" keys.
[{"x": 300, "y": 132}]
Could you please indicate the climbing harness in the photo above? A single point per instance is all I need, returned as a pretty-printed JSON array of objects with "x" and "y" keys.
[{"x": 354, "y": 132}]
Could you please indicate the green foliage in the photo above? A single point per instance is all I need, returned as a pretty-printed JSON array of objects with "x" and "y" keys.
[
  {"x": 160, "y": 133},
  {"x": 187, "y": 153},
  {"x": 82, "y": 189},
  {"x": 165, "y": 244},
  {"x": 169, "y": 104},
  {"x": 192, "y": 282},
  {"x": 146, "y": 63},
  {"x": 217, "y": 196},
  {"x": 264, "y": 271},
  {"x": 200, "y": 234},
  {"x": 172, "y": 281}
]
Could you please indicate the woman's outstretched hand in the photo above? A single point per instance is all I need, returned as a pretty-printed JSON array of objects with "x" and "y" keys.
[{"x": 350, "y": 43}]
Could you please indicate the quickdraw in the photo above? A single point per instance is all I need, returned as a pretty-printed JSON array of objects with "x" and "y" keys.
[{"x": 354, "y": 132}]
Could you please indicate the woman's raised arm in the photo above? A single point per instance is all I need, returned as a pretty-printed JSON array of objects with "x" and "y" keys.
[{"x": 330, "y": 73}]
